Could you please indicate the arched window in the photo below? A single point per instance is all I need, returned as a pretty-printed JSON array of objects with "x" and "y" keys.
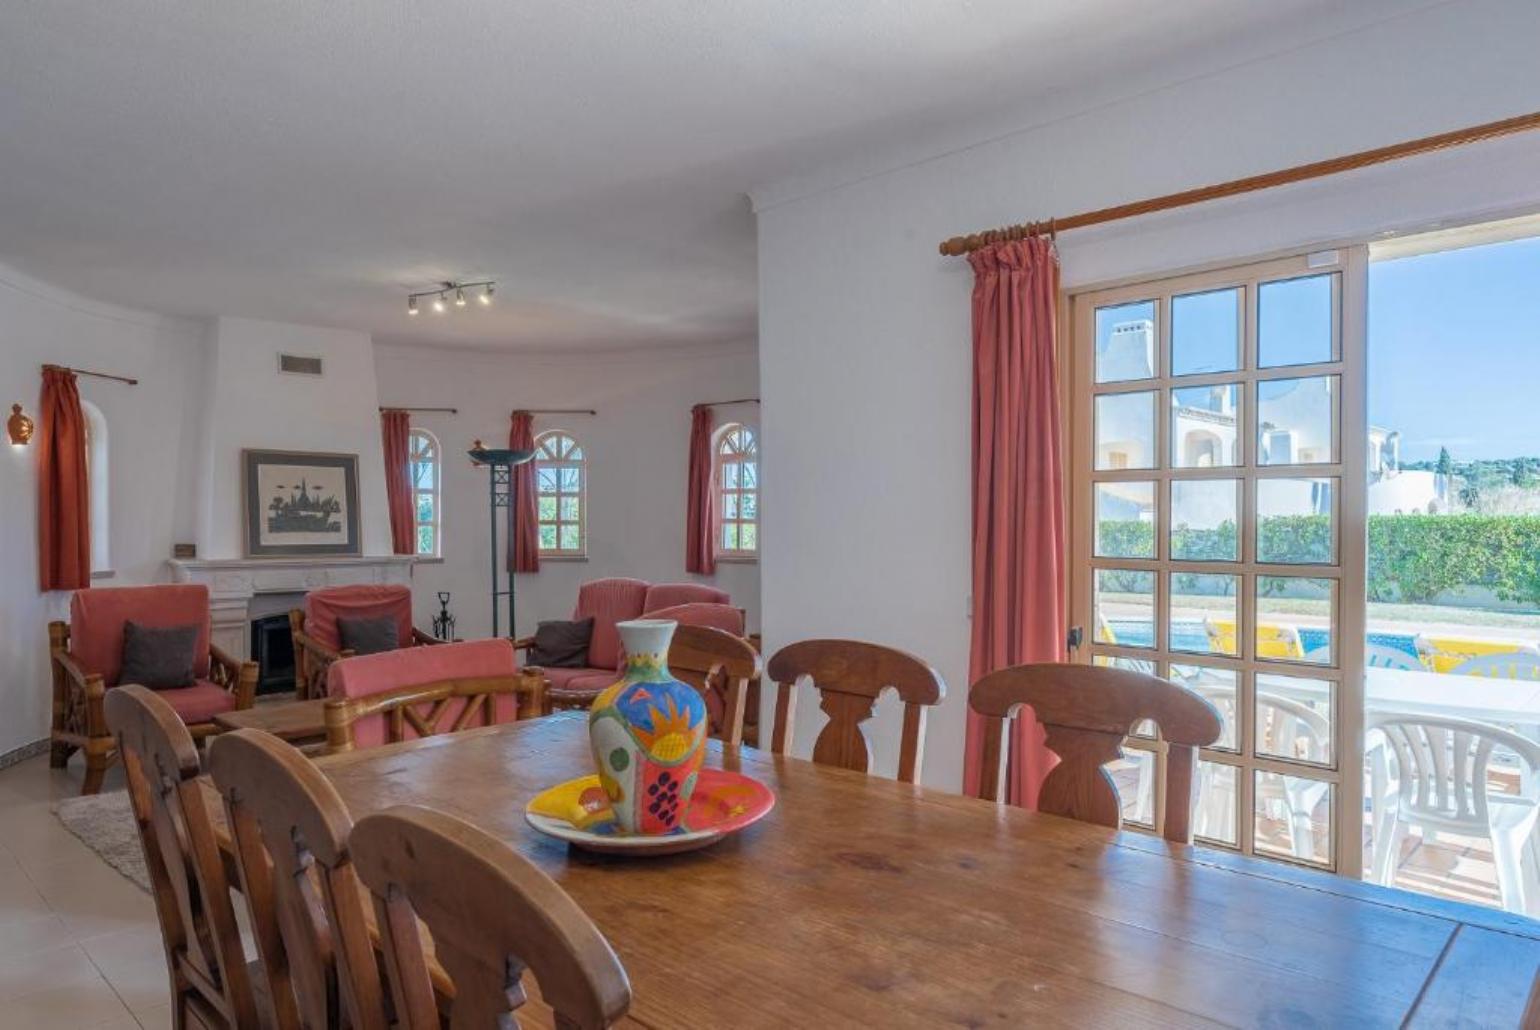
[
  {"x": 738, "y": 489},
  {"x": 97, "y": 474},
  {"x": 427, "y": 494},
  {"x": 561, "y": 495}
]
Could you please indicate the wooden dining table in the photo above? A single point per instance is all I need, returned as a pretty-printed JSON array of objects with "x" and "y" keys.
[{"x": 861, "y": 901}]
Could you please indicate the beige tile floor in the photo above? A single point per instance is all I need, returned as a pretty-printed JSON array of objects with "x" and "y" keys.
[{"x": 79, "y": 944}]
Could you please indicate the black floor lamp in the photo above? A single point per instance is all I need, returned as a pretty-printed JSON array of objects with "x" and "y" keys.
[{"x": 500, "y": 495}]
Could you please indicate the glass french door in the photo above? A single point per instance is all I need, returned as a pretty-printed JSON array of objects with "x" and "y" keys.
[{"x": 1215, "y": 419}]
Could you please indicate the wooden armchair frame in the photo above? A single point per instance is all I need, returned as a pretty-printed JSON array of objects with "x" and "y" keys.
[
  {"x": 1086, "y": 711},
  {"x": 399, "y": 709},
  {"x": 79, "y": 718},
  {"x": 313, "y": 659},
  {"x": 849, "y": 675}
]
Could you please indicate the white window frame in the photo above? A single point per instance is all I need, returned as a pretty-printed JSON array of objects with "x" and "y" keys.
[
  {"x": 550, "y": 455},
  {"x": 719, "y": 491},
  {"x": 1350, "y": 429},
  {"x": 435, "y": 458}
]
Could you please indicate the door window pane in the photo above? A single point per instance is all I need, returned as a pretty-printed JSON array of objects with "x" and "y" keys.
[
  {"x": 1295, "y": 615},
  {"x": 1204, "y": 514},
  {"x": 1125, "y": 520},
  {"x": 1293, "y": 817},
  {"x": 1205, "y": 332},
  {"x": 1294, "y": 421},
  {"x": 1203, "y": 613},
  {"x": 1217, "y": 687},
  {"x": 1125, "y": 607},
  {"x": 1205, "y": 424},
  {"x": 1125, "y": 431},
  {"x": 1294, "y": 718},
  {"x": 1134, "y": 777},
  {"x": 1294, "y": 521},
  {"x": 1215, "y": 803},
  {"x": 1125, "y": 342},
  {"x": 1294, "y": 321}
]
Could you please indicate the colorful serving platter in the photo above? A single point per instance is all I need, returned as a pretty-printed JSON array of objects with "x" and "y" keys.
[{"x": 578, "y": 812}]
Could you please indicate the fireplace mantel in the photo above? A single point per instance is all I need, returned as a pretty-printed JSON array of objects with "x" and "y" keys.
[{"x": 233, "y": 582}]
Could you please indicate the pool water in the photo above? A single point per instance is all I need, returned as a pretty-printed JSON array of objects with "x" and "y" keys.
[{"x": 1191, "y": 636}]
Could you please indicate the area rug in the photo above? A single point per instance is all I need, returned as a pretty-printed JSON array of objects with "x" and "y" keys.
[{"x": 105, "y": 824}]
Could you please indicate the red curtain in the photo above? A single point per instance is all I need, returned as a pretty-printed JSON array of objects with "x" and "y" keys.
[
  {"x": 395, "y": 434},
  {"x": 524, "y": 539},
  {"x": 1018, "y": 490},
  {"x": 700, "y": 543},
  {"x": 63, "y": 495}
]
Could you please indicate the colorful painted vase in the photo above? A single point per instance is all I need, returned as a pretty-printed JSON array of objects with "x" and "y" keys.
[{"x": 648, "y": 734}]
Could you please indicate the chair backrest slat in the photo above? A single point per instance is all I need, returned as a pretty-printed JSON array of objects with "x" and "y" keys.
[
  {"x": 492, "y": 915},
  {"x": 291, "y": 833},
  {"x": 1443, "y": 762},
  {"x": 1086, "y": 711},
  {"x": 849, "y": 675},
  {"x": 181, "y": 851},
  {"x": 720, "y": 666}
]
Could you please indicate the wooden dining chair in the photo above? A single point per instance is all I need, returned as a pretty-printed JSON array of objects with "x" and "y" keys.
[
  {"x": 210, "y": 982},
  {"x": 492, "y": 915},
  {"x": 447, "y": 706},
  {"x": 1086, "y": 711},
  {"x": 849, "y": 674},
  {"x": 721, "y": 666},
  {"x": 290, "y": 830}
]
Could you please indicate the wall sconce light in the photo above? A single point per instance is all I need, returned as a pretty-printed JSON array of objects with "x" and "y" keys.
[{"x": 19, "y": 426}]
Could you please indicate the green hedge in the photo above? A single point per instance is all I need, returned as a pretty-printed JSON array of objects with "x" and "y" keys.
[{"x": 1412, "y": 558}]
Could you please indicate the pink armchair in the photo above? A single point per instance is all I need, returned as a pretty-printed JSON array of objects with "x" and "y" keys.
[
  {"x": 87, "y": 657},
  {"x": 609, "y": 601},
  {"x": 317, "y": 642},
  {"x": 420, "y": 691}
]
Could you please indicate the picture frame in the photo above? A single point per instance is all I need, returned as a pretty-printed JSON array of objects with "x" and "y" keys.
[{"x": 300, "y": 503}]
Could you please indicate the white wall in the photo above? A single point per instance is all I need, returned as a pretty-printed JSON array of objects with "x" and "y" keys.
[
  {"x": 151, "y": 428},
  {"x": 864, "y": 329},
  {"x": 250, "y": 404},
  {"x": 637, "y": 448}
]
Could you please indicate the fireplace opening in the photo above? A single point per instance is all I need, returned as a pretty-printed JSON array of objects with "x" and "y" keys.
[{"x": 272, "y": 648}]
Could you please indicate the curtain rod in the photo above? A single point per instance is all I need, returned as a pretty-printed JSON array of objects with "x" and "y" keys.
[
  {"x": 98, "y": 375},
  {"x": 959, "y": 245},
  {"x": 718, "y": 404},
  {"x": 557, "y": 411},
  {"x": 397, "y": 407}
]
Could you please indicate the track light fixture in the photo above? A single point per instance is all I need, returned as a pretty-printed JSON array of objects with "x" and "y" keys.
[{"x": 442, "y": 291}]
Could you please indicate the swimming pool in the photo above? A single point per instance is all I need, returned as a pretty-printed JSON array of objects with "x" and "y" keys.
[{"x": 1191, "y": 636}]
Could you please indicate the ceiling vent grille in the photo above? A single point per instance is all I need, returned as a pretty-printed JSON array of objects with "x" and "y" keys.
[{"x": 299, "y": 365}]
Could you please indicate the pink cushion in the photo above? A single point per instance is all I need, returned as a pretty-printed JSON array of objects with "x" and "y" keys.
[
  {"x": 97, "y": 616},
  {"x": 563, "y": 679},
  {"x": 363, "y": 601},
  {"x": 372, "y": 674},
  {"x": 199, "y": 702},
  {"x": 609, "y": 601},
  {"x": 668, "y": 595},
  {"x": 715, "y": 616}
]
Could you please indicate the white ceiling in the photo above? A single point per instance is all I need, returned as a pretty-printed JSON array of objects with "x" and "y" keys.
[{"x": 314, "y": 160}]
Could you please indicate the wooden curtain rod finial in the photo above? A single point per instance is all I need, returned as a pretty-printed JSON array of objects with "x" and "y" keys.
[{"x": 959, "y": 245}]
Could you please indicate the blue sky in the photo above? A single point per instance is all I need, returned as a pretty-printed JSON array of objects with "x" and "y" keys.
[{"x": 1454, "y": 351}]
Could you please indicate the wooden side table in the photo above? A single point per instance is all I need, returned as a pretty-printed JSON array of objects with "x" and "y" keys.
[{"x": 300, "y": 723}]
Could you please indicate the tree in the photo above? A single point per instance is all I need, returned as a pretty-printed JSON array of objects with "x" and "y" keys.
[{"x": 1445, "y": 466}]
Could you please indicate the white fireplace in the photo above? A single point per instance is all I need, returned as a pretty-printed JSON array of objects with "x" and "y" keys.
[{"x": 240, "y": 589}]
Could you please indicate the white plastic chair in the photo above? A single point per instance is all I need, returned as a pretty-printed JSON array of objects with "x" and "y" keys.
[{"x": 1442, "y": 786}]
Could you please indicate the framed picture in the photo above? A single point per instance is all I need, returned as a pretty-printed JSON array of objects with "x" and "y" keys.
[{"x": 299, "y": 503}]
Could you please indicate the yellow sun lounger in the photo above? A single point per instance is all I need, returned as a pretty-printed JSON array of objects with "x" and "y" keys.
[{"x": 1273, "y": 641}]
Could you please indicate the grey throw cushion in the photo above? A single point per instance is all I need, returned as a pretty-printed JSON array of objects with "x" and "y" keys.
[
  {"x": 159, "y": 657},
  {"x": 562, "y": 645},
  {"x": 368, "y": 636}
]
